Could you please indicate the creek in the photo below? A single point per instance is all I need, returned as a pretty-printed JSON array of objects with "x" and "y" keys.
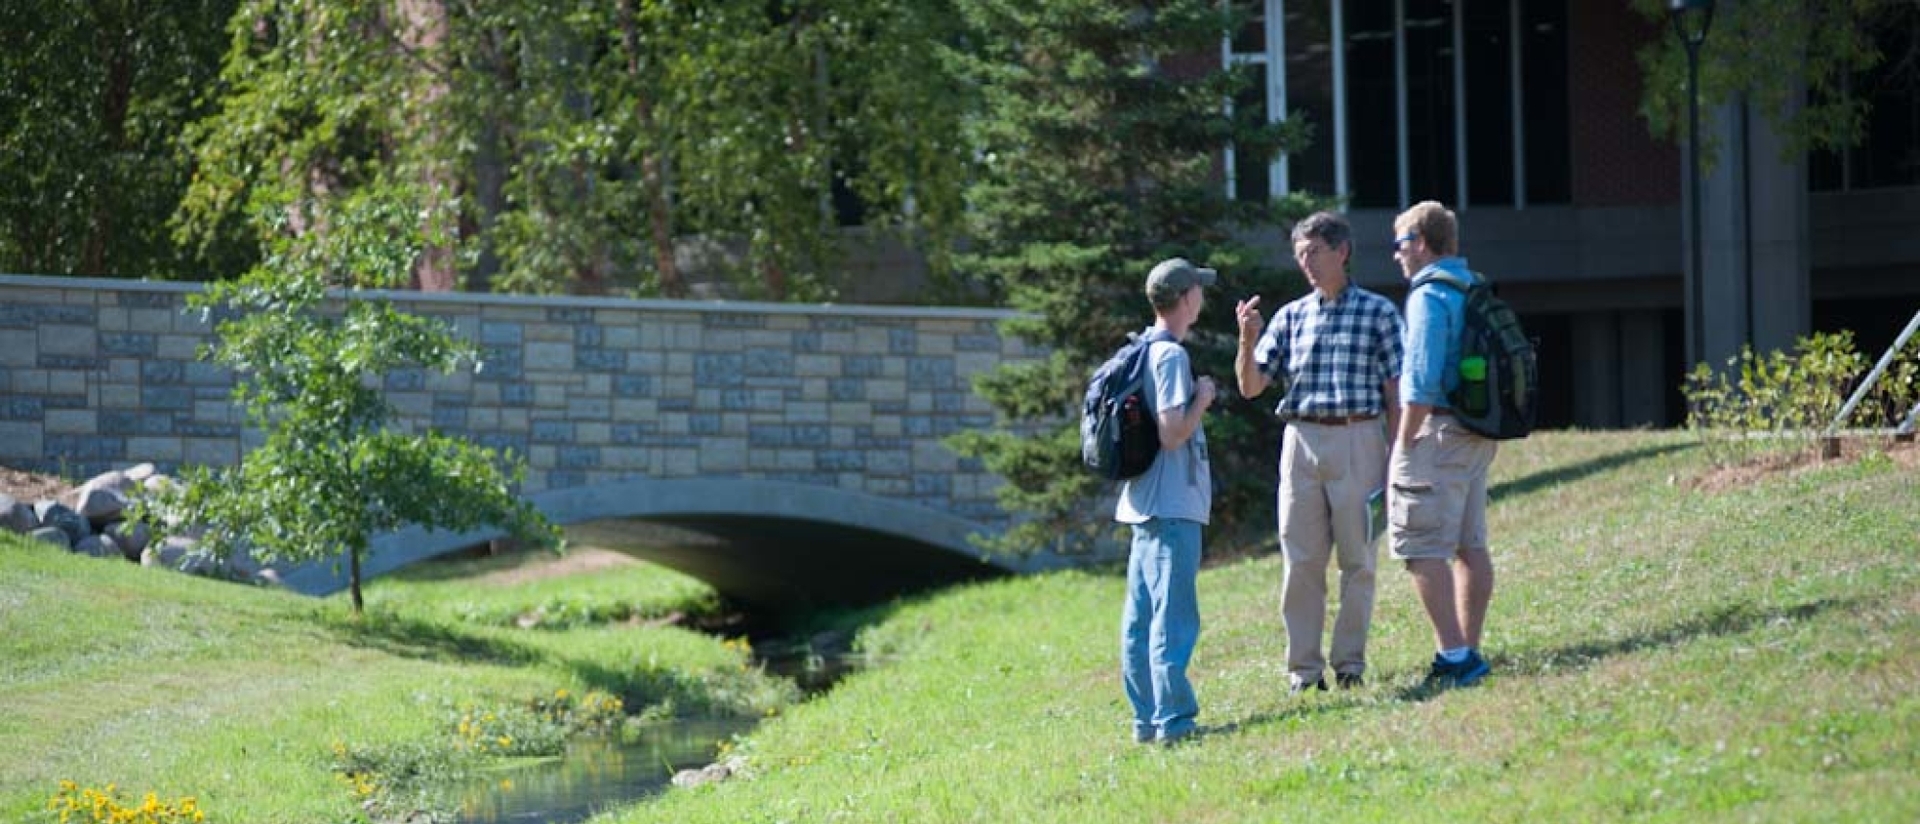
[{"x": 599, "y": 773}]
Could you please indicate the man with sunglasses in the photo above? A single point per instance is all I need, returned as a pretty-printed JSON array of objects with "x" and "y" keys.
[
  {"x": 1335, "y": 352},
  {"x": 1437, "y": 480}
]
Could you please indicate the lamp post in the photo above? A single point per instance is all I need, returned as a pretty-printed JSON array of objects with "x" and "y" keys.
[{"x": 1691, "y": 19}]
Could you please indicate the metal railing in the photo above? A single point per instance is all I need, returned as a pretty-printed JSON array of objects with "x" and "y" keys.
[{"x": 1830, "y": 440}]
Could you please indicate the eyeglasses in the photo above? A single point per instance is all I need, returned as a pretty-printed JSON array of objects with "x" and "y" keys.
[{"x": 1400, "y": 243}]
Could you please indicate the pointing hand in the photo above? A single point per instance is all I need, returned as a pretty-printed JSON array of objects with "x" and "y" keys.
[{"x": 1248, "y": 313}]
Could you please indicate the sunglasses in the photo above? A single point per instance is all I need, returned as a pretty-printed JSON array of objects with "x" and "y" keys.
[{"x": 1400, "y": 243}]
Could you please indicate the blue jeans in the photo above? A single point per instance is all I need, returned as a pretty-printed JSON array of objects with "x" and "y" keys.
[{"x": 1159, "y": 626}]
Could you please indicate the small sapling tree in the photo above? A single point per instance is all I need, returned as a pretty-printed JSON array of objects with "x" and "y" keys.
[{"x": 330, "y": 474}]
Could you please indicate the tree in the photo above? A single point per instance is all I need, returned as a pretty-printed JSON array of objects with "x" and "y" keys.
[
  {"x": 1794, "y": 59},
  {"x": 560, "y": 147},
  {"x": 93, "y": 97},
  {"x": 1100, "y": 158},
  {"x": 330, "y": 474}
]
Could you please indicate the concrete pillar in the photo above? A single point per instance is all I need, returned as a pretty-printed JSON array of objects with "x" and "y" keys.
[
  {"x": 1643, "y": 376},
  {"x": 1596, "y": 370},
  {"x": 1754, "y": 225},
  {"x": 1779, "y": 243}
]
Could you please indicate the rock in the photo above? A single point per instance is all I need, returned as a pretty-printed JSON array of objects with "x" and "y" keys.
[
  {"x": 157, "y": 483},
  {"x": 99, "y": 546},
  {"x": 56, "y": 514},
  {"x": 139, "y": 473},
  {"x": 240, "y": 564},
  {"x": 112, "y": 479},
  {"x": 52, "y": 535},
  {"x": 101, "y": 505},
  {"x": 709, "y": 774},
  {"x": 17, "y": 516},
  {"x": 180, "y": 553},
  {"x": 132, "y": 536}
]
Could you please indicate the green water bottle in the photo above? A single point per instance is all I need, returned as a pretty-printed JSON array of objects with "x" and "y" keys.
[{"x": 1473, "y": 385}]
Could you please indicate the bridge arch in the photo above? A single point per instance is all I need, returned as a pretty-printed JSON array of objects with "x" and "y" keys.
[{"x": 767, "y": 544}]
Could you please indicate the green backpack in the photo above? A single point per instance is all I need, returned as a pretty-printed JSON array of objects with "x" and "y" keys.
[{"x": 1499, "y": 389}]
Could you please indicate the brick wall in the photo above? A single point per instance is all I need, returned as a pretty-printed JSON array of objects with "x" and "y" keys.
[{"x": 1615, "y": 161}]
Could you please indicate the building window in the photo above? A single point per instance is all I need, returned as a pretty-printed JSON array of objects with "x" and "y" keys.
[
  {"x": 1309, "y": 79},
  {"x": 1889, "y": 150},
  {"x": 1456, "y": 100},
  {"x": 1490, "y": 124},
  {"x": 1372, "y": 91},
  {"x": 1543, "y": 95}
]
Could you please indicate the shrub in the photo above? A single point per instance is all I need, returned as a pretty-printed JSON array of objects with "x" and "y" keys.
[{"x": 1781, "y": 402}]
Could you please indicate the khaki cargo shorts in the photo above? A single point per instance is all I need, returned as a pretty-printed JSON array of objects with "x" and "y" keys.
[{"x": 1437, "y": 492}]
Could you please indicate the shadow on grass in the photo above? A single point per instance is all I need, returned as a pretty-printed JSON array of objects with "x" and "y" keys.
[
  {"x": 425, "y": 640},
  {"x": 1733, "y": 619},
  {"x": 1575, "y": 472}
]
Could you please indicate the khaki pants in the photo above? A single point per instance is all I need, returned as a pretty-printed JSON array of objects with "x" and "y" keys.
[{"x": 1326, "y": 473}]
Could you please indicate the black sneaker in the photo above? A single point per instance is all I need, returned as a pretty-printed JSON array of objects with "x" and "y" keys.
[
  {"x": 1349, "y": 680},
  {"x": 1303, "y": 686},
  {"x": 1465, "y": 673}
]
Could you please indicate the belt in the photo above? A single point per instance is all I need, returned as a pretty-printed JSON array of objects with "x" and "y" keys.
[
  {"x": 1439, "y": 411},
  {"x": 1333, "y": 420}
]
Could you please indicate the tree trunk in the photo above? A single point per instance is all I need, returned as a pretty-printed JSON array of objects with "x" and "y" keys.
[
  {"x": 353, "y": 581},
  {"x": 652, "y": 169},
  {"x": 424, "y": 31},
  {"x": 114, "y": 100}
]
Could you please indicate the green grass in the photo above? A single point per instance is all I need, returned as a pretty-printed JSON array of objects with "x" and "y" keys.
[
  {"x": 483, "y": 591},
  {"x": 160, "y": 682},
  {"x": 1661, "y": 653}
]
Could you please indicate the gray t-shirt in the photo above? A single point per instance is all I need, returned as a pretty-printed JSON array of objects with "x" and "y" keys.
[{"x": 1180, "y": 482}]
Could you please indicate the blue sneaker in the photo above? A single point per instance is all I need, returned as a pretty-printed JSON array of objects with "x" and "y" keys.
[{"x": 1465, "y": 673}]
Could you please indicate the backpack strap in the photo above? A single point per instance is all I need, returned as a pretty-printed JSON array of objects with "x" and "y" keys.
[
  {"x": 1445, "y": 277},
  {"x": 1152, "y": 334}
]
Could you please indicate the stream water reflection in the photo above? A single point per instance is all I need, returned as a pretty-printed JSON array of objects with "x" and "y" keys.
[{"x": 595, "y": 774}]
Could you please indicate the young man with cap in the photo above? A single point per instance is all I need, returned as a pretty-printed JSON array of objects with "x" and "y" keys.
[
  {"x": 1166, "y": 508},
  {"x": 1336, "y": 353},
  {"x": 1438, "y": 475}
]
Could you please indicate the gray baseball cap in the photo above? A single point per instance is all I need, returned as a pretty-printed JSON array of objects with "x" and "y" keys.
[{"x": 1172, "y": 277}]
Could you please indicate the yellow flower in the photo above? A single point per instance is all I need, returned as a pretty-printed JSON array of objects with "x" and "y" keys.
[{"x": 504, "y": 741}]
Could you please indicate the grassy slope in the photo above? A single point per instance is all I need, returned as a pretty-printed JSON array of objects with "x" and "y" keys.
[
  {"x": 1660, "y": 654},
  {"x": 161, "y": 682}
]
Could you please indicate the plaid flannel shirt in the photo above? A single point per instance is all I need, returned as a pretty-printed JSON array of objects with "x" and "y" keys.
[{"x": 1337, "y": 354}]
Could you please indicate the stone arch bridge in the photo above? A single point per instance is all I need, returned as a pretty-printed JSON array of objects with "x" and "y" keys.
[{"x": 787, "y": 454}]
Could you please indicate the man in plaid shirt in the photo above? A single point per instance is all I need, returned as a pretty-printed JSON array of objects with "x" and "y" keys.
[{"x": 1335, "y": 353}]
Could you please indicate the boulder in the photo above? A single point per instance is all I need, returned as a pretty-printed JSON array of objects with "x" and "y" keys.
[
  {"x": 99, "y": 546},
  {"x": 709, "y": 774},
  {"x": 139, "y": 473},
  {"x": 111, "y": 479},
  {"x": 17, "y": 516},
  {"x": 132, "y": 536},
  {"x": 180, "y": 553},
  {"x": 52, "y": 535},
  {"x": 101, "y": 505},
  {"x": 56, "y": 514}
]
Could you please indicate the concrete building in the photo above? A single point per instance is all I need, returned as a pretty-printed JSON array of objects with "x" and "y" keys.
[{"x": 1522, "y": 116}]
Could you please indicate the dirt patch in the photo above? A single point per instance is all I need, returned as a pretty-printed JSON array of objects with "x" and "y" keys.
[
  {"x": 31, "y": 487},
  {"x": 540, "y": 565},
  {"x": 1759, "y": 467}
]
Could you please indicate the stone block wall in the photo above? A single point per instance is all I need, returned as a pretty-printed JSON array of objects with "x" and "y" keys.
[{"x": 97, "y": 374}]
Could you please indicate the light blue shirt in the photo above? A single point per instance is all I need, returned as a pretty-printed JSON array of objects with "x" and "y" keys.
[
  {"x": 1180, "y": 482},
  {"x": 1436, "y": 315}
]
